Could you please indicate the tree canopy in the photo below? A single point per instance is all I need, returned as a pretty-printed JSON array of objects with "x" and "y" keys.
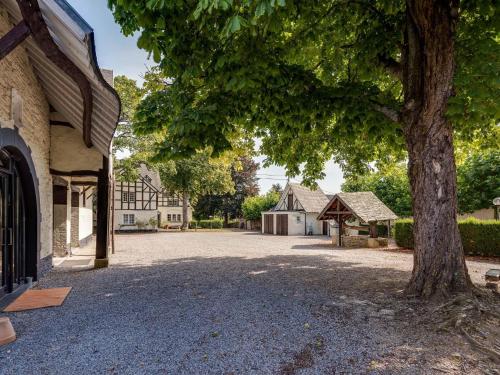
[
  {"x": 253, "y": 206},
  {"x": 314, "y": 79},
  {"x": 479, "y": 181},
  {"x": 228, "y": 205}
]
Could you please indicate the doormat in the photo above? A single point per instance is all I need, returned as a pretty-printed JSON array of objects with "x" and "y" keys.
[{"x": 38, "y": 299}]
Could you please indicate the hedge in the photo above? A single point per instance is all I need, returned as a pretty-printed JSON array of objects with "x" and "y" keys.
[
  {"x": 479, "y": 237},
  {"x": 207, "y": 224}
]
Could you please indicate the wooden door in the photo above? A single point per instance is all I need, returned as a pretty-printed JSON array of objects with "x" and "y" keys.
[
  {"x": 282, "y": 224},
  {"x": 268, "y": 224},
  {"x": 325, "y": 228}
]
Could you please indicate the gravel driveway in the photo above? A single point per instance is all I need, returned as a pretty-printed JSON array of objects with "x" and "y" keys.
[{"x": 234, "y": 303}]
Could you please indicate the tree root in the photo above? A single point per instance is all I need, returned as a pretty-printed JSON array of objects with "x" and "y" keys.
[{"x": 472, "y": 315}]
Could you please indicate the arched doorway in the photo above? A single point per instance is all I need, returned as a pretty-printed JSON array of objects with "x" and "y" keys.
[{"x": 19, "y": 213}]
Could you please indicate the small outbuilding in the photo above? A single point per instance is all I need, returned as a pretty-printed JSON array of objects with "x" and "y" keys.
[
  {"x": 296, "y": 213},
  {"x": 362, "y": 208}
]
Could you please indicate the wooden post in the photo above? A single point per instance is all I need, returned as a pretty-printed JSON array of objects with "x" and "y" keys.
[
  {"x": 341, "y": 229},
  {"x": 373, "y": 229},
  {"x": 102, "y": 231}
]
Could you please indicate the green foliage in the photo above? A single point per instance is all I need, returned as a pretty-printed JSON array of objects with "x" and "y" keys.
[
  {"x": 478, "y": 181},
  {"x": 309, "y": 78},
  {"x": 243, "y": 175},
  {"x": 403, "y": 233},
  {"x": 130, "y": 97},
  {"x": 207, "y": 224},
  {"x": 391, "y": 186},
  {"x": 196, "y": 176},
  {"x": 479, "y": 237},
  {"x": 254, "y": 206}
]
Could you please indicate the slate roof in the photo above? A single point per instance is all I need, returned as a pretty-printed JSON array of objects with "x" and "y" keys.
[
  {"x": 365, "y": 205},
  {"x": 310, "y": 200}
]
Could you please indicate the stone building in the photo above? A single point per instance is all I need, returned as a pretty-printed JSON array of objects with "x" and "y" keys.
[
  {"x": 57, "y": 118},
  {"x": 144, "y": 204}
]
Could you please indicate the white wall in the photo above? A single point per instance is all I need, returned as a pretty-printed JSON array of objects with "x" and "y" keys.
[
  {"x": 296, "y": 223},
  {"x": 312, "y": 222},
  {"x": 140, "y": 215},
  {"x": 85, "y": 222}
]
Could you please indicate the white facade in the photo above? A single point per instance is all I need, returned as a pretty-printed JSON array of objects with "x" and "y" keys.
[{"x": 296, "y": 213}]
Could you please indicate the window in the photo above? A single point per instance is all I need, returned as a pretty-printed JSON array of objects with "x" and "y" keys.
[
  {"x": 129, "y": 219},
  {"x": 179, "y": 217},
  {"x": 169, "y": 217},
  {"x": 298, "y": 219},
  {"x": 128, "y": 196}
]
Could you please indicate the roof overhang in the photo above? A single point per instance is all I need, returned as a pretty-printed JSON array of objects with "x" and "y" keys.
[{"x": 62, "y": 51}]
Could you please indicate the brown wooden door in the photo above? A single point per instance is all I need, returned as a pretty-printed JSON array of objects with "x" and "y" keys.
[
  {"x": 325, "y": 228},
  {"x": 282, "y": 224},
  {"x": 268, "y": 224}
]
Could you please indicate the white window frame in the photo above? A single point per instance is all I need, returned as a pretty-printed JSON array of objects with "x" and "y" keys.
[
  {"x": 131, "y": 196},
  {"x": 124, "y": 196},
  {"x": 129, "y": 219}
]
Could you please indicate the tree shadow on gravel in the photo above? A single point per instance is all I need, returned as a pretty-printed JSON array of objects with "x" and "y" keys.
[{"x": 215, "y": 315}]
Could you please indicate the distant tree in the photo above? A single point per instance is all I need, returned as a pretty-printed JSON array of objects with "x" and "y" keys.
[
  {"x": 195, "y": 176},
  {"x": 243, "y": 174},
  {"x": 277, "y": 188},
  {"x": 390, "y": 186},
  {"x": 478, "y": 181},
  {"x": 130, "y": 96},
  {"x": 254, "y": 206}
]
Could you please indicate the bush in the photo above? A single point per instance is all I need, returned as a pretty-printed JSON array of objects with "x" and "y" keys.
[
  {"x": 253, "y": 207},
  {"x": 403, "y": 233},
  {"x": 207, "y": 224},
  {"x": 479, "y": 237}
]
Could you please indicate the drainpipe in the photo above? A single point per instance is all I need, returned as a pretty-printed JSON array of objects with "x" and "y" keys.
[{"x": 305, "y": 223}]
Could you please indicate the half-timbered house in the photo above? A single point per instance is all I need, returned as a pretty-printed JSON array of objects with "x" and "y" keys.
[
  {"x": 144, "y": 205},
  {"x": 296, "y": 213},
  {"x": 58, "y": 113}
]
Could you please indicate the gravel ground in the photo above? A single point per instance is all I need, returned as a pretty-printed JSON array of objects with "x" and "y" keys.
[{"x": 236, "y": 303}]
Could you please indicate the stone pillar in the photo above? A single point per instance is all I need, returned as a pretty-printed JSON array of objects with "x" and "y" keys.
[
  {"x": 75, "y": 217},
  {"x": 61, "y": 240}
]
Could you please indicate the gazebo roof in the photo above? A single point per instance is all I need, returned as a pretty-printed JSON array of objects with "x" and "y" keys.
[{"x": 364, "y": 205}]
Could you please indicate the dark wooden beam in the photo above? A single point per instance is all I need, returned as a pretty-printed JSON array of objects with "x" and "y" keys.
[
  {"x": 32, "y": 15},
  {"x": 13, "y": 38},
  {"x": 338, "y": 213},
  {"x": 102, "y": 230},
  {"x": 60, "y": 123},
  {"x": 84, "y": 183},
  {"x": 82, "y": 173}
]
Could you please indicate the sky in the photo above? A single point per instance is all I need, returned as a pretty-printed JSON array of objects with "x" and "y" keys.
[{"x": 121, "y": 54}]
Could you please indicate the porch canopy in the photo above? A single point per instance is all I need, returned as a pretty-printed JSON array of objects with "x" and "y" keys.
[
  {"x": 60, "y": 45},
  {"x": 364, "y": 206}
]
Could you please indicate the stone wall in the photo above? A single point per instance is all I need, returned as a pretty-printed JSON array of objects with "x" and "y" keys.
[
  {"x": 354, "y": 241},
  {"x": 16, "y": 73}
]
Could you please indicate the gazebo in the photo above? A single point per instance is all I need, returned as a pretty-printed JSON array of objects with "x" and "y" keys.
[{"x": 363, "y": 206}]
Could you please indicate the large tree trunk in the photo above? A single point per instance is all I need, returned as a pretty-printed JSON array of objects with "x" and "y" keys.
[
  {"x": 428, "y": 65},
  {"x": 185, "y": 205}
]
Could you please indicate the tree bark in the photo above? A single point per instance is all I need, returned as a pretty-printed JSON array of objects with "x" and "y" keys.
[
  {"x": 428, "y": 66},
  {"x": 185, "y": 206}
]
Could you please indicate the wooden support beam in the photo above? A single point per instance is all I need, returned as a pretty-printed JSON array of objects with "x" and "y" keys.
[
  {"x": 102, "y": 230},
  {"x": 82, "y": 173},
  {"x": 338, "y": 213},
  {"x": 84, "y": 183},
  {"x": 373, "y": 229},
  {"x": 13, "y": 38},
  {"x": 33, "y": 17}
]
